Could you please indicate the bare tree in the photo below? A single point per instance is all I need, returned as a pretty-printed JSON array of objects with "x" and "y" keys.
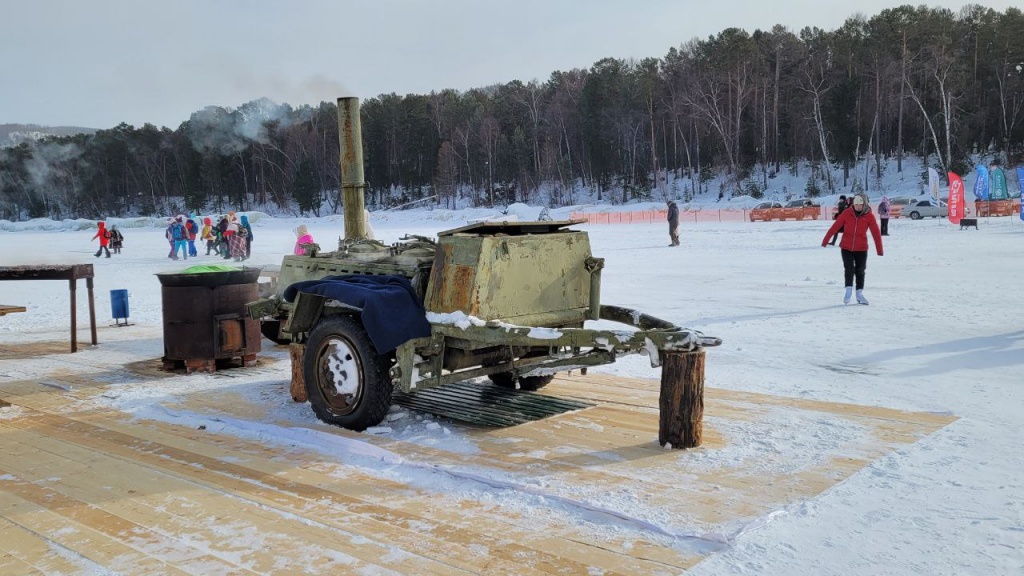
[{"x": 938, "y": 65}]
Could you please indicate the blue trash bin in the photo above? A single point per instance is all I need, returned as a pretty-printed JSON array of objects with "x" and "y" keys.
[{"x": 119, "y": 305}]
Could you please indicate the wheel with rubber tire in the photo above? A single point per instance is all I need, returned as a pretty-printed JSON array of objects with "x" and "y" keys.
[
  {"x": 915, "y": 215},
  {"x": 347, "y": 382}
]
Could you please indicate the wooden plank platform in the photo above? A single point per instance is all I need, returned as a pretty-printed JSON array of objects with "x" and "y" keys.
[
  {"x": 85, "y": 487},
  {"x": 9, "y": 309}
]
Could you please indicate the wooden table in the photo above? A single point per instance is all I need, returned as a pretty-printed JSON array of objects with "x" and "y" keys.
[
  {"x": 69, "y": 272},
  {"x": 6, "y": 309}
]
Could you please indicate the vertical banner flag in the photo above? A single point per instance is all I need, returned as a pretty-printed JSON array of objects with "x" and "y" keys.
[
  {"x": 956, "y": 198},
  {"x": 1020, "y": 184},
  {"x": 999, "y": 185},
  {"x": 981, "y": 184},
  {"x": 933, "y": 184}
]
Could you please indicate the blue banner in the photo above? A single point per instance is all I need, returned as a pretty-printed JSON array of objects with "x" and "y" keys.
[
  {"x": 981, "y": 184},
  {"x": 1020, "y": 185},
  {"x": 998, "y": 179}
]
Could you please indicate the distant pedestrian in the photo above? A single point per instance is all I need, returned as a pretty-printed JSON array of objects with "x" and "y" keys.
[
  {"x": 193, "y": 230},
  {"x": 179, "y": 236},
  {"x": 169, "y": 235},
  {"x": 839, "y": 210},
  {"x": 883, "y": 215},
  {"x": 116, "y": 239},
  {"x": 248, "y": 236},
  {"x": 303, "y": 239},
  {"x": 221, "y": 231},
  {"x": 236, "y": 243},
  {"x": 855, "y": 223},
  {"x": 208, "y": 236},
  {"x": 104, "y": 235},
  {"x": 673, "y": 222}
]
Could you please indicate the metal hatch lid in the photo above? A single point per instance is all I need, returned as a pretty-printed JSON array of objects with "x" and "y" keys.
[{"x": 512, "y": 228}]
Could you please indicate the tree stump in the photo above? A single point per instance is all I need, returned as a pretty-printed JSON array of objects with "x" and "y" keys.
[
  {"x": 298, "y": 382},
  {"x": 681, "y": 402}
]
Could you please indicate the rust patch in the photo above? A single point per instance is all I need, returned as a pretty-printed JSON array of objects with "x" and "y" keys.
[
  {"x": 459, "y": 291},
  {"x": 453, "y": 286}
]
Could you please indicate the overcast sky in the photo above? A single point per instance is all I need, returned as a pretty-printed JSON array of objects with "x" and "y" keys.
[{"x": 96, "y": 63}]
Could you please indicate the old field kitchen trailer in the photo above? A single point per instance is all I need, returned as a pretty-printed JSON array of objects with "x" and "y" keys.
[{"x": 506, "y": 300}]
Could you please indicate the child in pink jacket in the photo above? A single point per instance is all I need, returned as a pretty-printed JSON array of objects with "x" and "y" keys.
[{"x": 303, "y": 238}]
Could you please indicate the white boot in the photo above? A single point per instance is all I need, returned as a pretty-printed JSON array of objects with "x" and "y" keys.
[
  {"x": 849, "y": 293},
  {"x": 860, "y": 297}
]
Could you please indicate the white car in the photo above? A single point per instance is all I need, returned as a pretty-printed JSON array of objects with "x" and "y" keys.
[{"x": 925, "y": 208}]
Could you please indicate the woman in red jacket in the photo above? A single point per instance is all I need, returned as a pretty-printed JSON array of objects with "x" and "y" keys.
[{"x": 855, "y": 222}]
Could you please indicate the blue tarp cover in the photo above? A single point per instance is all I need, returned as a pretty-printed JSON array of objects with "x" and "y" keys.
[{"x": 392, "y": 313}]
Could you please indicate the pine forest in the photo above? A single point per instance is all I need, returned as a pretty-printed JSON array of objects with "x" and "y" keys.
[{"x": 736, "y": 108}]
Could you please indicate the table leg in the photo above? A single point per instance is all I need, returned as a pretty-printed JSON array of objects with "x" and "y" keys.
[
  {"x": 92, "y": 311},
  {"x": 74, "y": 317}
]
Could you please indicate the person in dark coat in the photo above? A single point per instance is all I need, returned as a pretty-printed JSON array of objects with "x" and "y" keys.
[
  {"x": 883, "y": 215},
  {"x": 116, "y": 239},
  {"x": 842, "y": 205},
  {"x": 855, "y": 222},
  {"x": 673, "y": 223},
  {"x": 222, "y": 240}
]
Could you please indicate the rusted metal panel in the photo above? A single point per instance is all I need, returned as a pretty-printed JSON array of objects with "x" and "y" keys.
[
  {"x": 460, "y": 290},
  {"x": 305, "y": 312},
  {"x": 513, "y": 277},
  {"x": 209, "y": 322},
  {"x": 231, "y": 332},
  {"x": 46, "y": 272}
]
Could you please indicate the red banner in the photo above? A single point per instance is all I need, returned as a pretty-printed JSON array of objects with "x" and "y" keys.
[{"x": 956, "y": 198}]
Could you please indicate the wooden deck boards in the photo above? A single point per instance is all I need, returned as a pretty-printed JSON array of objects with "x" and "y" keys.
[{"x": 85, "y": 487}]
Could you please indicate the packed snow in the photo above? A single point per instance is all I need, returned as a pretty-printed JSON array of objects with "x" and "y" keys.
[{"x": 942, "y": 335}]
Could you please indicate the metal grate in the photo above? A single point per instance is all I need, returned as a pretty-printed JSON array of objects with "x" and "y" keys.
[{"x": 486, "y": 404}]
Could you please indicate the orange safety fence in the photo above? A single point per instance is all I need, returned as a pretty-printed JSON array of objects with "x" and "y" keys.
[
  {"x": 661, "y": 216},
  {"x": 1007, "y": 207},
  {"x": 987, "y": 208}
]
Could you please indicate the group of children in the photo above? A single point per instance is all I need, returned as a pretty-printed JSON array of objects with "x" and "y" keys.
[
  {"x": 111, "y": 239},
  {"x": 231, "y": 238}
]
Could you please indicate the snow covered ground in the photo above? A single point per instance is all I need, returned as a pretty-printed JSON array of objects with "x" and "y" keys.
[{"x": 942, "y": 334}]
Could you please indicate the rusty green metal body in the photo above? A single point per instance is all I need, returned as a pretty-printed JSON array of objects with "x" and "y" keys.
[{"x": 507, "y": 300}]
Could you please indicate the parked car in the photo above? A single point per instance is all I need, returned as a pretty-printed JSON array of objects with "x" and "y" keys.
[
  {"x": 897, "y": 205},
  {"x": 926, "y": 208},
  {"x": 766, "y": 211},
  {"x": 800, "y": 209}
]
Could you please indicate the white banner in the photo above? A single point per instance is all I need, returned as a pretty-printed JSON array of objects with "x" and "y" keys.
[{"x": 933, "y": 183}]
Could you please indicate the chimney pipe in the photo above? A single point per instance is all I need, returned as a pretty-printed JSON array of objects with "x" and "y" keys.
[{"x": 350, "y": 140}]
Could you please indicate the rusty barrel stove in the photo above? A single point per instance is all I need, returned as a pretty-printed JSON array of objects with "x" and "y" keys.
[{"x": 205, "y": 319}]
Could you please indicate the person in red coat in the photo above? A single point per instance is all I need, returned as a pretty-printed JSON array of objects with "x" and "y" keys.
[
  {"x": 104, "y": 235},
  {"x": 855, "y": 222}
]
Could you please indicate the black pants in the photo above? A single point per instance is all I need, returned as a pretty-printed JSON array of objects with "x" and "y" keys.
[
  {"x": 885, "y": 226},
  {"x": 854, "y": 265},
  {"x": 102, "y": 250}
]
